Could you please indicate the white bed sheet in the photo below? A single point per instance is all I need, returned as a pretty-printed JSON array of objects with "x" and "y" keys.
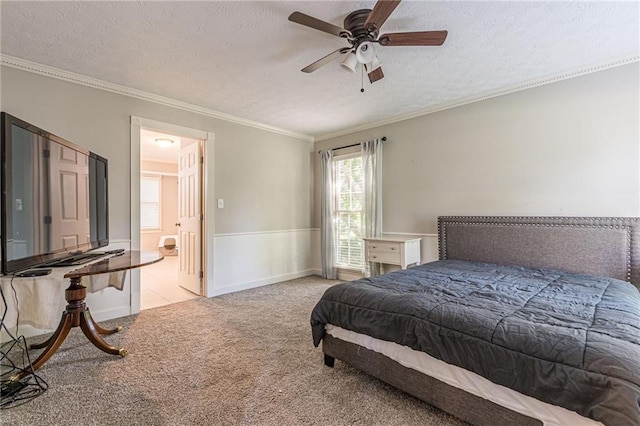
[{"x": 468, "y": 381}]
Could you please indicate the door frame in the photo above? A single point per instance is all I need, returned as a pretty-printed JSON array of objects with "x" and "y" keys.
[{"x": 208, "y": 209}]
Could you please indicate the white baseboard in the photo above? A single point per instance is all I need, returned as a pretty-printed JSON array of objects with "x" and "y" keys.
[
  {"x": 107, "y": 314},
  {"x": 264, "y": 281}
]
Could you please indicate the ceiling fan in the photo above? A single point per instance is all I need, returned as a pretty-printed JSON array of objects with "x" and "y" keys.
[{"x": 361, "y": 31}]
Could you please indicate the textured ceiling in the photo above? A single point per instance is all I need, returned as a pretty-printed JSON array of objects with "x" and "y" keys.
[{"x": 244, "y": 58}]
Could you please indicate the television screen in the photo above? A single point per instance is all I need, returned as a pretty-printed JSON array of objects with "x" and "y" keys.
[
  {"x": 98, "y": 200},
  {"x": 54, "y": 197}
]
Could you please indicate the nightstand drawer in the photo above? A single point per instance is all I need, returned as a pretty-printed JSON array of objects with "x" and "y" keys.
[
  {"x": 384, "y": 257},
  {"x": 397, "y": 250},
  {"x": 383, "y": 246}
]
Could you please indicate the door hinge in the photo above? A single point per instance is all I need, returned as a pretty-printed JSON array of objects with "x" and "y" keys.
[
  {"x": 201, "y": 160},
  {"x": 201, "y": 274},
  {"x": 46, "y": 153},
  {"x": 47, "y": 220}
]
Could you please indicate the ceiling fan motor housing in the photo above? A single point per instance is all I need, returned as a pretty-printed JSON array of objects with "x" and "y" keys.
[{"x": 354, "y": 23}]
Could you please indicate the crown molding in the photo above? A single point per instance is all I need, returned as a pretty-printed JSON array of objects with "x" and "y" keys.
[
  {"x": 95, "y": 83},
  {"x": 577, "y": 72},
  {"x": 36, "y": 68}
]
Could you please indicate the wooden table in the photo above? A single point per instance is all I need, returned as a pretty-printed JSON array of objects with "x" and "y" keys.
[{"x": 76, "y": 313}]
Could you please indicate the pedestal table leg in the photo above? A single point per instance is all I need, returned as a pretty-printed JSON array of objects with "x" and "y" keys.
[{"x": 76, "y": 314}]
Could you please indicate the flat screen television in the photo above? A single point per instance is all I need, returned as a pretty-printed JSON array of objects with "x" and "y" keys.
[{"x": 54, "y": 202}]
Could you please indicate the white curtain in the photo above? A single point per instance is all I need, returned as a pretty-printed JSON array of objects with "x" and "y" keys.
[
  {"x": 372, "y": 203},
  {"x": 327, "y": 196}
]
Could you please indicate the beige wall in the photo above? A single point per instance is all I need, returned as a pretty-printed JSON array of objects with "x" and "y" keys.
[
  {"x": 158, "y": 167},
  {"x": 265, "y": 182},
  {"x": 567, "y": 148},
  {"x": 256, "y": 198}
]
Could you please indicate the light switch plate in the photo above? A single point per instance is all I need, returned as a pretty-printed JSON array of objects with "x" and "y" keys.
[{"x": 221, "y": 203}]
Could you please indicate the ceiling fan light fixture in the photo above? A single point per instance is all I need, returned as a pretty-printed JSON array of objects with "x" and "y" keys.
[
  {"x": 366, "y": 52},
  {"x": 374, "y": 64},
  {"x": 164, "y": 142},
  {"x": 350, "y": 62}
]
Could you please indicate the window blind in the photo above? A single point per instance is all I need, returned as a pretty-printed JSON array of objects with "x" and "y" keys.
[
  {"x": 150, "y": 202},
  {"x": 348, "y": 213}
]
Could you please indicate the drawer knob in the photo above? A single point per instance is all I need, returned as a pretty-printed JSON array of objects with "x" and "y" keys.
[
  {"x": 393, "y": 248},
  {"x": 375, "y": 257},
  {"x": 373, "y": 246}
]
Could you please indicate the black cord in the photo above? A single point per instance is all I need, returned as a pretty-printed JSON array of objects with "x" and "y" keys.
[
  {"x": 14, "y": 392},
  {"x": 6, "y": 309},
  {"x": 17, "y": 392},
  {"x": 15, "y": 298}
]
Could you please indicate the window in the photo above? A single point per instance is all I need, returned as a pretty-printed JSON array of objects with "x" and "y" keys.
[
  {"x": 348, "y": 213},
  {"x": 150, "y": 202}
]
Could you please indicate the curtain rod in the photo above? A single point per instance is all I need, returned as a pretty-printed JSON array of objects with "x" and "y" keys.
[{"x": 384, "y": 138}]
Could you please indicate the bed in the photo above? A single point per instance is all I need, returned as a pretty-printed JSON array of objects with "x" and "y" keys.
[{"x": 523, "y": 320}]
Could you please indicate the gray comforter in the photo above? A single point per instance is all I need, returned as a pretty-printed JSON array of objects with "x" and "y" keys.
[{"x": 566, "y": 339}]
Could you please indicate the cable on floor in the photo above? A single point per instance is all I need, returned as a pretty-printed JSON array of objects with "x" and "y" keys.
[{"x": 16, "y": 362}]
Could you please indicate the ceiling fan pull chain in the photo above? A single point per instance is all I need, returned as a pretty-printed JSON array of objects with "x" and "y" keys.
[{"x": 362, "y": 79}]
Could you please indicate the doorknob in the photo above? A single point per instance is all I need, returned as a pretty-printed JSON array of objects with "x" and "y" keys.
[{"x": 178, "y": 224}]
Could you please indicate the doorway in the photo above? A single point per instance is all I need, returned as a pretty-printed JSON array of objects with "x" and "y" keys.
[{"x": 170, "y": 216}]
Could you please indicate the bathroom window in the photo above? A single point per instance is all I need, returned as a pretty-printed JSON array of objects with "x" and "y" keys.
[{"x": 150, "y": 202}]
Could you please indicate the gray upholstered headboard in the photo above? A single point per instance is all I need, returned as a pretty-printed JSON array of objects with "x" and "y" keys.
[{"x": 606, "y": 246}]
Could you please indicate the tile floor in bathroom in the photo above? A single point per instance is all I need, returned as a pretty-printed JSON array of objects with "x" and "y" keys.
[{"x": 159, "y": 284}]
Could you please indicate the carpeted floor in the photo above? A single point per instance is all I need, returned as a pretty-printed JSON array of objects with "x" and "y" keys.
[{"x": 241, "y": 359}]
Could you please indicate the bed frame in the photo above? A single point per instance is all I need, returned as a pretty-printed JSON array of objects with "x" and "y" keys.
[{"x": 592, "y": 245}]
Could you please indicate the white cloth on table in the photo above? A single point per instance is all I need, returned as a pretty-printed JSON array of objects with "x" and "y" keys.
[
  {"x": 100, "y": 282},
  {"x": 41, "y": 300}
]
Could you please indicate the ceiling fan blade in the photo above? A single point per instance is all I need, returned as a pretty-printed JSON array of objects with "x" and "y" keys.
[
  {"x": 324, "y": 61},
  {"x": 418, "y": 38},
  {"x": 310, "y": 21},
  {"x": 380, "y": 13},
  {"x": 376, "y": 75}
]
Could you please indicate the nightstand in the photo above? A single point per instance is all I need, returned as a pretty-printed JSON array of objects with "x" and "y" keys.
[{"x": 398, "y": 250}]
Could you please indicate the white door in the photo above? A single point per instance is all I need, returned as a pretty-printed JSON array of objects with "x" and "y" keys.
[
  {"x": 189, "y": 217},
  {"x": 69, "y": 181}
]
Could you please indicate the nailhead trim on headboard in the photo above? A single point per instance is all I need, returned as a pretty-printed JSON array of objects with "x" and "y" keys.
[{"x": 630, "y": 224}]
